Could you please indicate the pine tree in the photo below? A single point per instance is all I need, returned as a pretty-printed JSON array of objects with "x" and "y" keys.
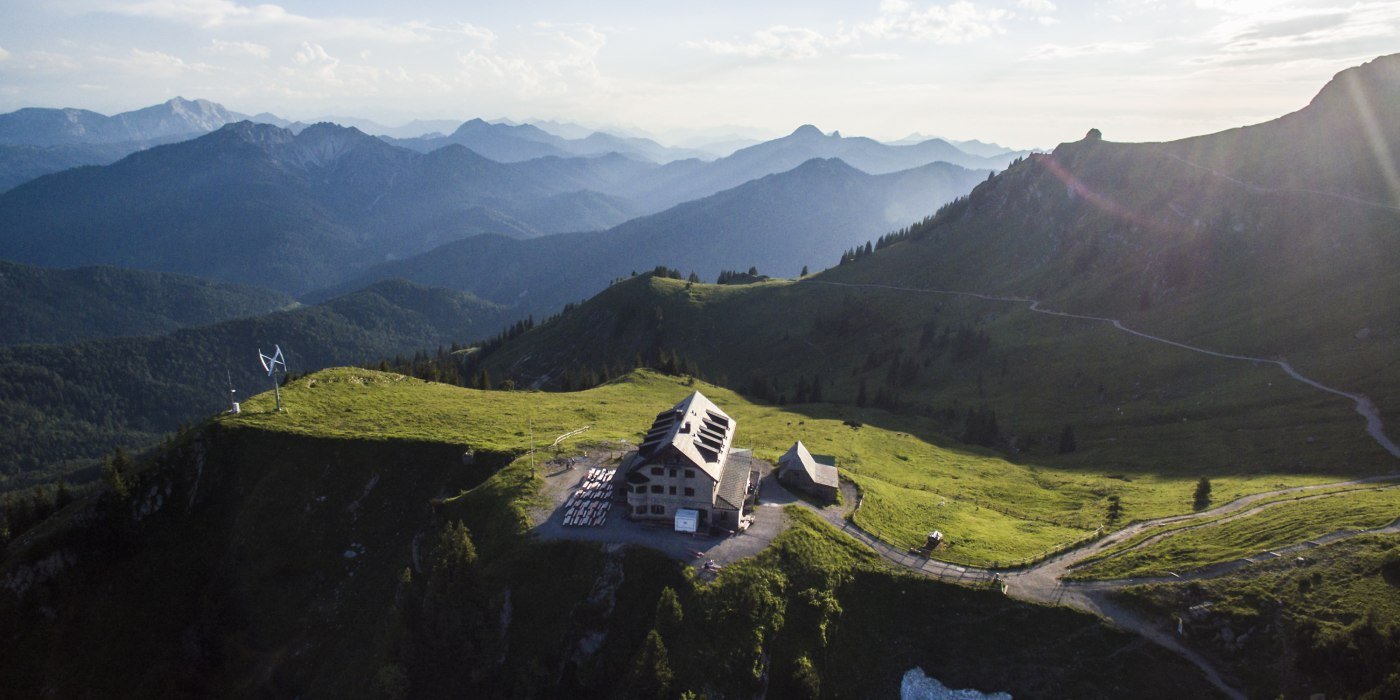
[
  {"x": 669, "y": 614},
  {"x": 115, "y": 472},
  {"x": 650, "y": 675},
  {"x": 455, "y": 554},
  {"x": 1202, "y": 498},
  {"x": 1115, "y": 509},
  {"x": 804, "y": 271}
]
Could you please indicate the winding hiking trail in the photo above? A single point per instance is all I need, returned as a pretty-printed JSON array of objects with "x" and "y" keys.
[
  {"x": 1042, "y": 582},
  {"x": 1277, "y": 190},
  {"x": 1374, "y": 427}
]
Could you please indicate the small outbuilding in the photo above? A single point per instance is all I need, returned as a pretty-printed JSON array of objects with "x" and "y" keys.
[{"x": 798, "y": 469}]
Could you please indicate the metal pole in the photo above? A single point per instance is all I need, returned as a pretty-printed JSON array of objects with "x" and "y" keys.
[{"x": 277, "y": 392}]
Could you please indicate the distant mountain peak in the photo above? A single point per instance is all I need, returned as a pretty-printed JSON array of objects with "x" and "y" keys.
[
  {"x": 824, "y": 166},
  {"x": 473, "y": 125},
  {"x": 1376, "y": 80},
  {"x": 808, "y": 131}
]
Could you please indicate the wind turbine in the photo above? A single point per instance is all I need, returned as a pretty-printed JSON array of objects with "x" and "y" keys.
[{"x": 270, "y": 364}]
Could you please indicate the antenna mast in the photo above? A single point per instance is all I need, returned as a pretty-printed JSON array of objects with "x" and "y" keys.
[
  {"x": 270, "y": 364},
  {"x": 232, "y": 393}
]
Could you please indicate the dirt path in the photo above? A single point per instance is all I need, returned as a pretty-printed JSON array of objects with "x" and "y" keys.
[
  {"x": 1278, "y": 190},
  {"x": 1363, "y": 405},
  {"x": 1227, "y": 519},
  {"x": 1042, "y": 583}
]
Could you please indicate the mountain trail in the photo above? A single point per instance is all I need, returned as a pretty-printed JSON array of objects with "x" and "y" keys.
[
  {"x": 1364, "y": 406},
  {"x": 1277, "y": 190},
  {"x": 1041, "y": 582}
]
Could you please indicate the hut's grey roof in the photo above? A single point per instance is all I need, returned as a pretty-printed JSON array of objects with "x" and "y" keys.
[
  {"x": 797, "y": 457},
  {"x": 734, "y": 486},
  {"x": 697, "y": 429}
]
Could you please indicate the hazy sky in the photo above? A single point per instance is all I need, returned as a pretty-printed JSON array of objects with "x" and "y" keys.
[{"x": 1021, "y": 72}]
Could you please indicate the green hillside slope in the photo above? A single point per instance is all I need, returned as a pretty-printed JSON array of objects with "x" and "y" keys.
[
  {"x": 1136, "y": 407},
  {"x": 1325, "y": 623},
  {"x": 1299, "y": 260},
  {"x": 265, "y": 555},
  {"x": 1126, "y": 232}
]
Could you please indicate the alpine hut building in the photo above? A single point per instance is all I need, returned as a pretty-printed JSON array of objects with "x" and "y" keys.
[
  {"x": 683, "y": 471},
  {"x": 798, "y": 469}
]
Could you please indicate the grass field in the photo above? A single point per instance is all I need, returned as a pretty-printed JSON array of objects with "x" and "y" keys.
[
  {"x": 1149, "y": 533},
  {"x": 1327, "y": 624},
  {"x": 1137, "y": 404},
  {"x": 1277, "y": 526},
  {"x": 992, "y": 510}
]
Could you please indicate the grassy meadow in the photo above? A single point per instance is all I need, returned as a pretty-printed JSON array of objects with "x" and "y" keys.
[
  {"x": 1288, "y": 522},
  {"x": 914, "y": 480},
  {"x": 1325, "y": 624}
]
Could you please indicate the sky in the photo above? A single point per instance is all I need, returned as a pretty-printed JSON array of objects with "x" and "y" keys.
[{"x": 1023, "y": 73}]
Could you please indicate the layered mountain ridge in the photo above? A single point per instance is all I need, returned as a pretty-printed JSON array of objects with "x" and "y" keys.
[{"x": 778, "y": 223}]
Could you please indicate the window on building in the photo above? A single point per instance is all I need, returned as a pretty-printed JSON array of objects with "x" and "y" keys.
[
  {"x": 656, "y": 489},
  {"x": 641, "y": 489},
  {"x": 673, "y": 474},
  {"x": 689, "y": 491},
  {"x": 641, "y": 510},
  {"x": 658, "y": 510},
  {"x": 656, "y": 471},
  {"x": 690, "y": 473},
  {"x": 673, "y": 490},
  {"x": 721, "y": 517}
]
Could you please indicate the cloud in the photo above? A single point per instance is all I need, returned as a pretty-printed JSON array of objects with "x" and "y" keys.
[
  {"x": 1036, "y": 5},
  {"x": 4, "y": 55},
  {"x": 1050, "y": 52},
  {"x": 49, "y": 62},
  {"x": 875, "y": 56},
  {"x": 780, "y": 43},
  {"x": 226, "y": 13},
  {"x": 206, "y": 13},
  {"x": 481, "y": 34},
  {"x": 561, "y": 61},
  {"x": 240, "y": 48},
  {"x": 955, "y": 23},
  {"x": 1243, "y": 35},
  {"x": 152, "y": 64},
  {"x": 897, "y": 20},
  {"x": 314, "y": 58}
]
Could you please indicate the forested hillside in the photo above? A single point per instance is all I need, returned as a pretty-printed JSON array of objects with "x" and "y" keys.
[
  {"x": 39, "y": 305},
  {"x": 65, "y": 405}
]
